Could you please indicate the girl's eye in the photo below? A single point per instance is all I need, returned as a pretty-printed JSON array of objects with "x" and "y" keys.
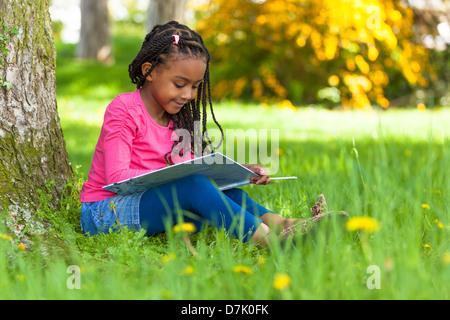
[{"x": 180, "y": 86}]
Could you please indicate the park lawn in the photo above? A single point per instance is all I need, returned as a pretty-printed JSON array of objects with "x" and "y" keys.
[{"x": 389, "y": 166}]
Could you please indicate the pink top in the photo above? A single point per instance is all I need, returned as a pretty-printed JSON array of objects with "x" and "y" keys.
[{"x": 130, "y": 144}]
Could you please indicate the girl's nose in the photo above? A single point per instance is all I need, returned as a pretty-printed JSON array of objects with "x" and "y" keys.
[{"x": 188, "y": 94}]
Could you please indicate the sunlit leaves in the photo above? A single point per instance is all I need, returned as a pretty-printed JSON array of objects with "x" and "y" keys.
[{"x": 289, "y": 49}]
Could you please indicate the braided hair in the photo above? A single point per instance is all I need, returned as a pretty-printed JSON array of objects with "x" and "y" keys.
[{"x": 157, "y": 49}]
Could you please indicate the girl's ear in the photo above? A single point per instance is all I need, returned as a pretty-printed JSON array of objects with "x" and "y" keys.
[{"x": 145, "y": 67}]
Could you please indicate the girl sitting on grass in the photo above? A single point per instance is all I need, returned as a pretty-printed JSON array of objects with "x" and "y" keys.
[{"x": 171, "y": 72}]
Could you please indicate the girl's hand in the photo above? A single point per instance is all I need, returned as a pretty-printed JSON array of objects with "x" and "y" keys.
[{"x": 262, "y": 171}]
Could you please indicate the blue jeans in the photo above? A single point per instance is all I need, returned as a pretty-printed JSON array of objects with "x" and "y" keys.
[{"x": 193, "y": 199}]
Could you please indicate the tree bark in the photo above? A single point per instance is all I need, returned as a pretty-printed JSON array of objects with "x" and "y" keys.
[
  {"x": 95, "y": 39},
  {"x": 163, "y": 11},
  {"x": 32, "y": 147}
]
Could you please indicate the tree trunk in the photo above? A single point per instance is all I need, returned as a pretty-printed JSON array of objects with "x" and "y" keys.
[
  {"x": 163, "y": 11},
  {"x": 32, "y": 147},
  {"x": 95, "y": 39}
]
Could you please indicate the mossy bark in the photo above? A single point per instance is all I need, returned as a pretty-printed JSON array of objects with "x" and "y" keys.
[{"x": 32, "y": 147}]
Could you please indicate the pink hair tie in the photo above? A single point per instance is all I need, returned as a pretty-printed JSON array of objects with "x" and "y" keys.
[{"x": 177, "y": 38}]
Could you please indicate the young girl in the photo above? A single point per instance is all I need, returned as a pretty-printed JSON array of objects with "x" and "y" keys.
[{"x": 171, "y": 72}]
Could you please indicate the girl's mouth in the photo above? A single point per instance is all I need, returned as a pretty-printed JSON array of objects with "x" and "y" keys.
[{"x": 179, "y": 105}]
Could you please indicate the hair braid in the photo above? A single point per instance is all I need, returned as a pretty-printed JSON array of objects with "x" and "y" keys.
[{"x": 156, "y": 49}]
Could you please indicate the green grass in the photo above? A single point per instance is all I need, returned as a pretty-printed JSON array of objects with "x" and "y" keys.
[{"x": 391, "y": 166}]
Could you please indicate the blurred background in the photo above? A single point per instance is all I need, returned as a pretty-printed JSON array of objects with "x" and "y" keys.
[{"x": 360, "y": 54}]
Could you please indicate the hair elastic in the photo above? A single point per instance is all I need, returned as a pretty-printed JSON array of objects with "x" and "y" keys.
[{"x": 176, "y": 37}]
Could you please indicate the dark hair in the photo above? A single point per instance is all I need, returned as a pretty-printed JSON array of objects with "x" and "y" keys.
[{"x": 156, "y": 49}]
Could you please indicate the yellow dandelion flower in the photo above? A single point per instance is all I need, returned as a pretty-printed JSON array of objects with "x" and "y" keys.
[
  {"x": 188, "y": 227},
  {"x": 21, "y": 246},
  {"x": 261, "y": 260},
  {"x": 21, "y": 277},
  {"x": 427, "y": 246},
  {"x": 446, "y": 258},
  {"x": 287, "y": 105},
  {"x": 440, "y": 225},
  {"x": 166, "y": 294},
  {"x": 281, "y": 281},
  {"x": 367, "y": 224},
  {"x": 6, "y": 237},
  {"x": 188, "y": 270},
  {"x": 242, "y": 269},
  {"x": 168, "y": 257},
  {"x": 421, "y": 107},
  {"x": 425, "y": 206}
]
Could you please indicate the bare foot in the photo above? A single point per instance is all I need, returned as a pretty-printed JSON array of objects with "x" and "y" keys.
[{"x": 319, "y": 210}]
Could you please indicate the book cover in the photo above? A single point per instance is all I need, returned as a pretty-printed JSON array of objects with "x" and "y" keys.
[{"x": 222, "y": 170}]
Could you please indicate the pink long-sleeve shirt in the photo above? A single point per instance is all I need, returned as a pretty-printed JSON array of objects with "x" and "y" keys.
[{"x": 130, "y": 144}]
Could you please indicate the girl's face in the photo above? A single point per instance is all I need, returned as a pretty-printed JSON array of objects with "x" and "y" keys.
[{"x": 170, "y": 86}]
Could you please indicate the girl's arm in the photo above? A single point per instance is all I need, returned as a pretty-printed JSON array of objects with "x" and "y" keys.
[
  {"x": 119, "y": 131},
  {"x": 261, "y": 170}
]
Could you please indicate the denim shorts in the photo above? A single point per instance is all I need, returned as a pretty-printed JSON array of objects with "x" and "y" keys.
[{"x": 98, "y": 217}]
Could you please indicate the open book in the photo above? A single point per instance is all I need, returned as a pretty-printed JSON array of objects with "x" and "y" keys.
[{"x": 222, "y": 170}]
